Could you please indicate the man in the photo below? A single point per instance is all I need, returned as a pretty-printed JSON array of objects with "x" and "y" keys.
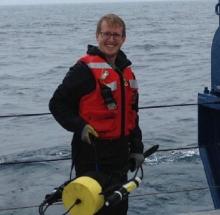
[{"x": 99, "y": 98}]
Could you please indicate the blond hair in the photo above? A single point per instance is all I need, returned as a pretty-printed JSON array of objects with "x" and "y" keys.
[{"x": 112, "y": 20}]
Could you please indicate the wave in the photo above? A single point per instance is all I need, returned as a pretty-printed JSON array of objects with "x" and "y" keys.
[
  {"x": 173, "y": 156},
  {"x": 61, "y": 152}
]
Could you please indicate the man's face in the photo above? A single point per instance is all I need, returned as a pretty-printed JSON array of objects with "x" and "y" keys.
[{"x": 110, "y": 39}]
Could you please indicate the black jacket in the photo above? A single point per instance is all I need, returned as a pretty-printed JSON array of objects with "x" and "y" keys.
[{"x": 79, "y": 81}]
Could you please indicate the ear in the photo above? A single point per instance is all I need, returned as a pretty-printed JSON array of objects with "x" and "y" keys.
[
  {"x": 97, "y": 36},
  {"x": 123, "y": 39}
]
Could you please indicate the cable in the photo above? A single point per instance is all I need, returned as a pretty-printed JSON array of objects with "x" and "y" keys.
[
  {"x": 19, "y": 208},
  {"x": 144, "y": 107},
  {"x": 34, "y": 161},
  {"x": 24, "y": 207},
  {"x": 166, "y": 106},
  {"x": 178, "y": 105},
  {"x": 24, "y": 115},
  {"x": 132, "y": 196}
]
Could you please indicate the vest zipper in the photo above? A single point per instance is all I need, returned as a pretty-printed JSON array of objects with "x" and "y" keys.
[{"x": 122, "y": 102}]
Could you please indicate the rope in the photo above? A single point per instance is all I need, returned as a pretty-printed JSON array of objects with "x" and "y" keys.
[
  {"x": 24, "y": 115},
  {"x": 19, "y": 208},
  {"x": 165, "y": 106},
  {"x": 69, "y": 158},
  {"x": 179, "y": 105},
  {"x": 140, "y": 108},
  {"x": 34, "y": 161},
  {"x": 132, "y": 196},
  {"x": 24, "y": 207}
]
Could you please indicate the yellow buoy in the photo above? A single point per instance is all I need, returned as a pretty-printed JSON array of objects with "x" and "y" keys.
[{"x": 86, "y": 191}]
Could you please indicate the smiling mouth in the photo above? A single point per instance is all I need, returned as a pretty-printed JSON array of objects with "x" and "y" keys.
[{"x": 110, "y": 46}]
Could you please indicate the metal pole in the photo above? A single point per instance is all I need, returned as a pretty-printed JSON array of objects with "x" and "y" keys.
[{"x": 217, "y": 10}]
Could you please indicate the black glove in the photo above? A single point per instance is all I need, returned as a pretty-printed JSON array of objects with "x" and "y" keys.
[
  {"x": 136, "y": 144},
  {"x": 135, "y": 161}
]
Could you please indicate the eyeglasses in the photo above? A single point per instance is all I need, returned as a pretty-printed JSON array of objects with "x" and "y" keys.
[{"x": 107, "y": 35}]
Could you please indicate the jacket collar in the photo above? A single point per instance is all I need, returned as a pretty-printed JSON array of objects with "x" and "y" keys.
[{"x": 121, "y": 61}]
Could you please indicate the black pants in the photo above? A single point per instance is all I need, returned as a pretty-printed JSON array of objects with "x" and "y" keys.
[
  {"x": 108, "y": 159},
  {"x": 120, "y": 209}
]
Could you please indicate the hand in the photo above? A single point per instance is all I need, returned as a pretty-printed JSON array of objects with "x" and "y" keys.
[
  {"x": 86, "y": 132},
  {"x": 135, "y": 161}
]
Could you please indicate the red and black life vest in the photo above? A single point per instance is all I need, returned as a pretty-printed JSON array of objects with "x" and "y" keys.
[{"x": 109, "y": 108}]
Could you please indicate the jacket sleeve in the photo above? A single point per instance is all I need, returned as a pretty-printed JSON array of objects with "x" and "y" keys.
[
  {"x": 136, "y": 144},
  {"x": 64, "y": 104}
]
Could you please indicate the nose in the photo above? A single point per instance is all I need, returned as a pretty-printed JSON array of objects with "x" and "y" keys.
[{"x": 111, "y": 38}]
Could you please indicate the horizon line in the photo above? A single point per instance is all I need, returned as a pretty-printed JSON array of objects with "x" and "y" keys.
[{"x": 41, "y": 2}]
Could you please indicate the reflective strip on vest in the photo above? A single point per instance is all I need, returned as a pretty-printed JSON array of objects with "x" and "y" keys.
[
  {"x": 133, "y": 84},
  {"x": 99, "y": 66},
  {"x": 112, "y": 85},
  {"x": 108, "y": 121}
]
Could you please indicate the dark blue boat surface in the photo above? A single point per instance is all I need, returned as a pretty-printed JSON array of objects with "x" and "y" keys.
[{"x": 209, "y": 122}]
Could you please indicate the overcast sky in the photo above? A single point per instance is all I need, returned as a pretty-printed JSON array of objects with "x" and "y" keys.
[{"x": 9, "y": 2}]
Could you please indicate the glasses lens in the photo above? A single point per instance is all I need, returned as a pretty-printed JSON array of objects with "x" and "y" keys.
[{"x": 107, "y": 35}]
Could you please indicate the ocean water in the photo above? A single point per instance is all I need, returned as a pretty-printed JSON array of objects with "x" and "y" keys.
[{"x": 169, "y": 44}]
